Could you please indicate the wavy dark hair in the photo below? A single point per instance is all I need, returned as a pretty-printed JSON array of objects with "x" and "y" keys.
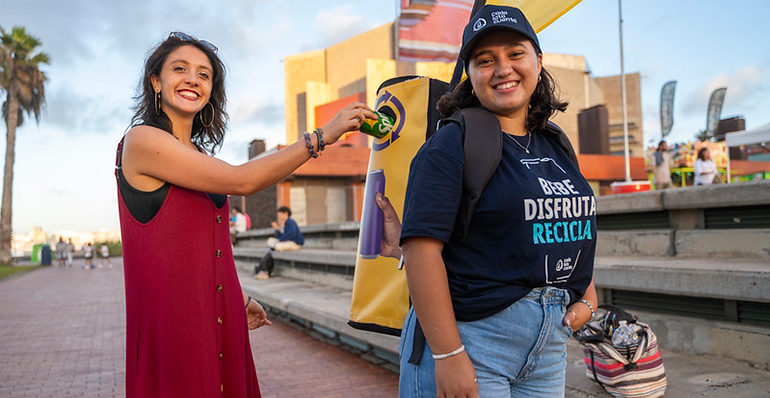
[
  {"x": 208, "y": 138},
  {"x": 543, "y": 104},
  {"x": 701, "y": 153}
]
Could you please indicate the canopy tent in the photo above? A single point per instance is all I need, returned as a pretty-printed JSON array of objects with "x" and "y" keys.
[
  {"x": 747, "y": 137},
  {"x": 758, "y": 135}
]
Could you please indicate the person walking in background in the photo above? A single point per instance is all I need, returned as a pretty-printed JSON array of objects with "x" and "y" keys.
[
  {"x": 705, "y": 169},
  {"x": 287, "y": 234},
  {"x": 105, "y": 256},
  {"x": 498, "y": 305},
  {"x": 88, "y": 255},
  {"x": 70, "y": 251},
  {"x": 660, "y": 162},
  {"x": 60, "y": 251},
  {"x": 187, "y": 318}
]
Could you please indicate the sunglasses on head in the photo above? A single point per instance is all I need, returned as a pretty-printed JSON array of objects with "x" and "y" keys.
[{"x": 185, "y": 37}]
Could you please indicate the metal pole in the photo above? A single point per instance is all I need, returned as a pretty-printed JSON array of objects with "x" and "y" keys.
[
  {"x": 623, "y": 94},
  {"x": 396, "y": 26}
]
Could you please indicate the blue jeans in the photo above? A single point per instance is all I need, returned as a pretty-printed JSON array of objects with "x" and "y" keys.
[{"x": 519, "y": 352}]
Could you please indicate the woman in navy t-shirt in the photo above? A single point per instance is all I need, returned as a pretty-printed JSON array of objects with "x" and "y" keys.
[{"x": 497, "y": 307}]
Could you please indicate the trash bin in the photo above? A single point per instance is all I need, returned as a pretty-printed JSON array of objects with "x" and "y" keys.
[
  {"x": 45, "y": 255},
  {"x": 629, "y": 187},
  {"x": 35, "y": 257}
]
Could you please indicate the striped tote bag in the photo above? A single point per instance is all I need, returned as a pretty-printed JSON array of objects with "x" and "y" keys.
[{"x": 634, "y": 370}]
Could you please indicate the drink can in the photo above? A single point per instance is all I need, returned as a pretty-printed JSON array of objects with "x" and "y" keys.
[
  {"x": 371, "y": 220},
  {"x": 377, "y": 128}
]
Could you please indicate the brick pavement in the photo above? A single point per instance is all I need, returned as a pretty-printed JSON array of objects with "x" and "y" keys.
[{"x": 62, "y": 334}]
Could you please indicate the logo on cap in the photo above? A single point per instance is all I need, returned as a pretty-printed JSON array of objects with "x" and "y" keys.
[
  {"x": 502, "y": 17},
  {"x": 480, "y": 23}
]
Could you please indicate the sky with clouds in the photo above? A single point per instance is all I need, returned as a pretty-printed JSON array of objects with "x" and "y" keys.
[{"x": 64, "y": 165}]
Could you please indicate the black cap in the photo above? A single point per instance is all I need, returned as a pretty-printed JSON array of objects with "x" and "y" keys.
[{"x": 491, "y": 18}]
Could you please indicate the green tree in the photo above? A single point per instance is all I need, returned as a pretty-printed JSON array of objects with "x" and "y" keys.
[
  {"x": 702, "y": 135},
  {"x": 23, "y": 83}
]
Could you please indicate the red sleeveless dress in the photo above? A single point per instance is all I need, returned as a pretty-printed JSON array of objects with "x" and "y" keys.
[{"x": 187, "y": 334}]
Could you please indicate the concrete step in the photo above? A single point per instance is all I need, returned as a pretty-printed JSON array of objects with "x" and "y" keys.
[
  {"x": 667, "y": 284},
  {"x": 325, "y": 310}
]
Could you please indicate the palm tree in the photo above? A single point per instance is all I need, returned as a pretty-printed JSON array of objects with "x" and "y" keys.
[{"x": 23, "y": 83}]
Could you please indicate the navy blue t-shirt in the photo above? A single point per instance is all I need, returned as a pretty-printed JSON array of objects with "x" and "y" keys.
[
  {"x": 534, "y": 225},
  {"x": 290, "y": 232}
]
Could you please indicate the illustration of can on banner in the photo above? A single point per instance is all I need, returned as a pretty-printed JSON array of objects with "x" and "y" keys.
[{"x": 371, "y": 220}]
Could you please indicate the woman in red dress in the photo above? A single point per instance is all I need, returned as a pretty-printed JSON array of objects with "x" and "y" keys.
[{"x": 187, "y": 317}]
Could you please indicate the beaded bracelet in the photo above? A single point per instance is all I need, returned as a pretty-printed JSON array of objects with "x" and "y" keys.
[
  {"x": 310, "y": 146},
  {"x": 449, "y": 354},
  {"x": 590, "y": 307},
  {"x": 321, "y": 144},
  {"x": 248, "y": 302}
]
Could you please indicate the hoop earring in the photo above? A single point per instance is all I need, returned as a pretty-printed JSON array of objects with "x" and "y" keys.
[
  {"x": 473, "y": 93},
  {"x": 539, "y": 78},
  {"x": 200, "y": 116},
  {"x": 158, "y": 109}
]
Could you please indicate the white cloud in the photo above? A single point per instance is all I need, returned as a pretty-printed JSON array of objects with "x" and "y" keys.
[
  {"x": 97, "y": 49},
  {"x": 339, "y": 23},
  {"x": 743, "y": 88}
]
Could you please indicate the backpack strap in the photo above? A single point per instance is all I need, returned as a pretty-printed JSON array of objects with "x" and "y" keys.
[
  {"x": 557, "y": 135},
  {"x": 482, "y": 148}
]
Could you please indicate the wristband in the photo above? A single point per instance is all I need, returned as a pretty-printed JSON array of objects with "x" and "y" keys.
[
  {"x": 321, "y": 144},
  {"x": 309, "y": 146},
  {"x": 590, "y": 307},
  {"x": 449, "y": 354},
  {"x": 248, "y": 301}
]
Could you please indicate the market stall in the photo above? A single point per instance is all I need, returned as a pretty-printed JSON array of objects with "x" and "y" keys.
[{"x": 759, "y": 136}]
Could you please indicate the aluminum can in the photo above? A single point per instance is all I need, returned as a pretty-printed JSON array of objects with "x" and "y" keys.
[
  {"x": 370, "y": 244},
  {"x": 377, "y": 128}
]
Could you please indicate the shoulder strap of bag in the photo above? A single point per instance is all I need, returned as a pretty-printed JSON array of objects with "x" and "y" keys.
[
  {"x": 591, "y": 334},
  {"x": 593, "y": 369},
  {"x": 482, "y": 146},
  {"x": 557, "y": 135},
  {"x": 616, "y": 314}
]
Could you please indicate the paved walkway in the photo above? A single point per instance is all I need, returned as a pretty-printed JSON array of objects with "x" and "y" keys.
[{"x": 62, "y": 334}]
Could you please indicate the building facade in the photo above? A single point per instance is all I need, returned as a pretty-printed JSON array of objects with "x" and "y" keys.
[{"x": 321, "y": 82}]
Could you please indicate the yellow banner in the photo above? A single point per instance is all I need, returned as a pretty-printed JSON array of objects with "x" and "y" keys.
[
  {"x": 540, "y": 13},
  {"x": 380, "y": 295}
]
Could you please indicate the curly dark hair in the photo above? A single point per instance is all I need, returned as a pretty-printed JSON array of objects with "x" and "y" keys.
[
  {"x": 544, "y": 102},
  {"x": 702, "y": 153},
  {"x": 208, "y": 138}
]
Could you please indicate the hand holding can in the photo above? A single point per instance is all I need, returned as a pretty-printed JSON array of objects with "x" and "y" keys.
[{"x": 379, "y": 127}]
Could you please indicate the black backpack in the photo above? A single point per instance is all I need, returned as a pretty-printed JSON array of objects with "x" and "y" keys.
[{"x": 483, "y": 146}]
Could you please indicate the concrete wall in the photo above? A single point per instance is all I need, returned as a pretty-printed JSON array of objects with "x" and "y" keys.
[
  {"x": 346, "y": 61},
  {"x": 317, "y": 77},
  {"x": 686, "y": 235},
  {"x": 298, "y": 70}
]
